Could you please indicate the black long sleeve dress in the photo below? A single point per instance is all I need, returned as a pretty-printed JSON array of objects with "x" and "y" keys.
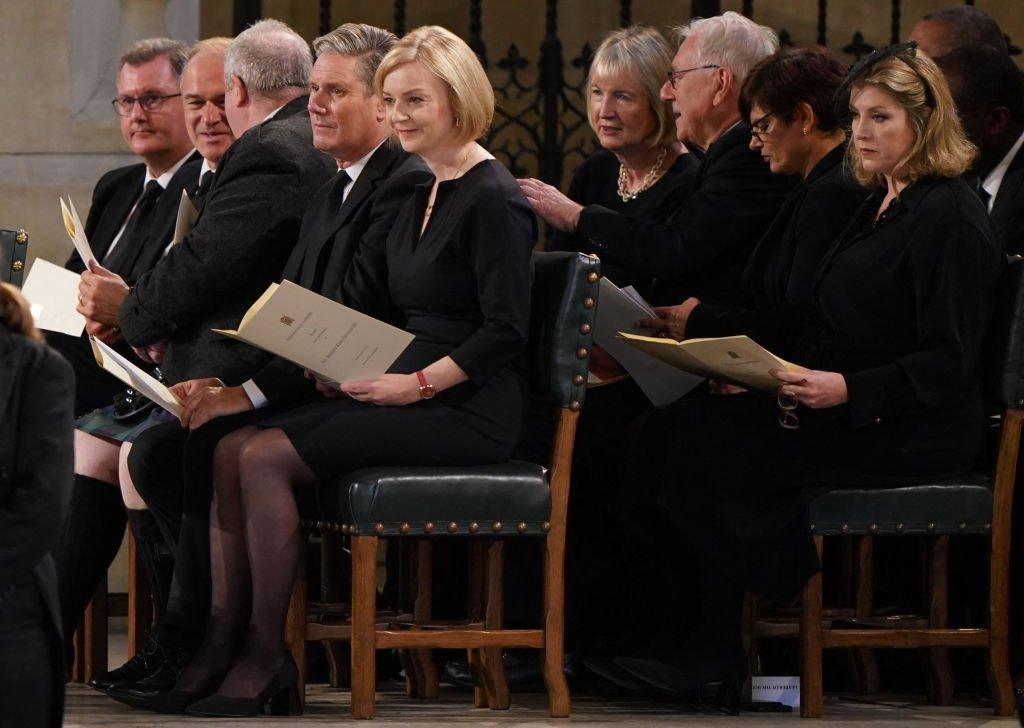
[
  {"x": 904, "y": 304},
  {"x": 463, "y": 288}
]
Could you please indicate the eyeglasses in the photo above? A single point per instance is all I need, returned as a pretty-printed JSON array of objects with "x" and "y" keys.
[
  {"x": 759, "y": 128},
  {"x": 674, "y": 75},
  {"x": 787, "y": 410},
  {"x": 149, "y": 102}
]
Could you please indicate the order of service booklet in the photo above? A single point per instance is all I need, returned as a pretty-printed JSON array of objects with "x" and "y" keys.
[
  {"x": 329, "y": 339},
  {"x": 134, "y": 377},
  {"x": 52, "y": 294},
  {"x": 735, "y": 359},
  {"x": 76, "y": 231},
  {"x": 185, "y": 220}
]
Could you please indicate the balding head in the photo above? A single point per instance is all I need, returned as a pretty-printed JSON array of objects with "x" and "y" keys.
[{"x": 943, "y": 30}]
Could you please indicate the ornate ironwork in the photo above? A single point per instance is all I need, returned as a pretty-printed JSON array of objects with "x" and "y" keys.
[
  {"x": 325, "y": 17},
  {"x": 895, "y": 35},
  {"x": 857, "y": 47},
  {"x": 399, "y": 29},
  {"x": 625, "y": 13},
  {"x": 748, "y": 8},
  {"x": 785, "y": 39},
  {"x": 822, "y": 22}
]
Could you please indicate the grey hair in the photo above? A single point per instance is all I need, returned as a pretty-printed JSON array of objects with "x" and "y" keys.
[
  {"x": 145, "y": 50},
  {"x": 367, "y": 42},
  {"x": 731, "y": 41},
  {"x": 639, "y": 51},
  {"x": 269, "y": 57}
]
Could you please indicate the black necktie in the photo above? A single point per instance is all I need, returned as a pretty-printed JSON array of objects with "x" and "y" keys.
[
  {"x": 341, "y": 180},
  {"x": 199, "y": 196},
  {"x": 985, "y": 196},
  {"x": 136, "y": 230}
]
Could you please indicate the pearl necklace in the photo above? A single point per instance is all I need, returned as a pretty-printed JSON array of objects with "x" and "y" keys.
[{"x": 647, "y": 181}]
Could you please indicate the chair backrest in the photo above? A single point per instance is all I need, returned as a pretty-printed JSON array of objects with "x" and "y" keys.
[
  {"x": 564, "y": 301},
  {"x": 13, "y": 247},
  {"x": 1004, "y": 355}
]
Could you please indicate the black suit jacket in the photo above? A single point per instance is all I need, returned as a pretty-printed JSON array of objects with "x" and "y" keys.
[
  {"x": 342, "y": 252},
  {"x": 36, "y": 466},
  {"x": 702, "y": 247},
  {"x": 1008, "y": 208},
  {"x": 239, "y": 245},
  {"x": 112, "y": 199}
]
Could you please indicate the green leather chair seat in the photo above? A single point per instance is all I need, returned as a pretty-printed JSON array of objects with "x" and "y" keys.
[
  {"x": 962, "y": 506},
  {"x": 510, "y": 498}
]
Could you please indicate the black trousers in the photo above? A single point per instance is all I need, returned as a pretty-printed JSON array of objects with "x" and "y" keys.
[{"x": 31, "y": 667}]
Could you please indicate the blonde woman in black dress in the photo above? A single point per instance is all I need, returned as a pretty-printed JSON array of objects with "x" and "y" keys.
[{"x": 459, "y": 270}]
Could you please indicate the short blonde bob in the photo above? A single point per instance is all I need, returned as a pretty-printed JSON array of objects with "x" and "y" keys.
[
  {"x": 642, "y": 53},
  {"x": 940, "y": 148},
  {"x": 448, "y": 57}
]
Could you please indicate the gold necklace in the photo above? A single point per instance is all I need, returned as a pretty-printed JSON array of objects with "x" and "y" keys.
[
  {"x": 430, "y": 207},
  {"x": 647, "y": 181}
]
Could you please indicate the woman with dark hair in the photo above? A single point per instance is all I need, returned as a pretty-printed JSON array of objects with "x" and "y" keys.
[
  {"x": 892, "y": 391},
  {"x": 36, "y": 402}
]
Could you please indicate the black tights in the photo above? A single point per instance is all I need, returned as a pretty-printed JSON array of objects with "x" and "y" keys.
[{"x": 254, "y": 549}]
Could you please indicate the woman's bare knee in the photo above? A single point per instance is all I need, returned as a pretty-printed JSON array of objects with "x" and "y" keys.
[
  {"x": 96, "y": 457},
  {"x": 130, "y": 496}
]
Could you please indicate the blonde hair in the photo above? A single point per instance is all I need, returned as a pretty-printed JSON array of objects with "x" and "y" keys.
[
  {"x": 217, "y": 45},
  {"x": 940, "y": 148},
  {"x": 15, "y": 314},
  {"x": 448, "y": 57},
  {"x": 639, "y": 51}
]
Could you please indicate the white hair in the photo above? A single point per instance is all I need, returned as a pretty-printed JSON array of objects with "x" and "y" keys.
[
  {"x": 269, "y": 57},
  {"x": 731, "y": 41}
]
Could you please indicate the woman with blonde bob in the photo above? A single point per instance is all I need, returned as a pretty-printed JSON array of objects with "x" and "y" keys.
[
  {"x": 458, "y": 260},
  {"x": 891, "y": 393}
]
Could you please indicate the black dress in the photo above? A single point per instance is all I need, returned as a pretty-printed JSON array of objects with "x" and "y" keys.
[
  {"x": 596, "y": 181},
  {"x": 904, "y": 304},
  {"x": 783, "y": 268},
  {"x": 463, "y": 288}
]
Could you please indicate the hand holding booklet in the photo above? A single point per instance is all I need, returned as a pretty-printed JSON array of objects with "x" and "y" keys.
[
  {"x": 329, "y": 339},
  {"x": 134, "y": 377},
  {"x": 735, "y": 359}
]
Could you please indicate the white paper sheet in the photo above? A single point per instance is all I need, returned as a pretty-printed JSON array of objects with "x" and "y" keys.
[
  {"x": 76, "y": 230},
  {"x": 135, "y": 378},
  {"x": 52, "y": 293}
]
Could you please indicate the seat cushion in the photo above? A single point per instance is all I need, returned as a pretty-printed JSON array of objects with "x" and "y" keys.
[
  {"x": 960, "y": 506},
  {"x": 510, "y": 498}
]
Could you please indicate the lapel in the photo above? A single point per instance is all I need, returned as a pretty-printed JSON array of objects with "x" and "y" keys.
[
  {"x": 1013, "y": 180},
  {"x": 115, "y": 212},
  {"x": 328, "y": 226}
]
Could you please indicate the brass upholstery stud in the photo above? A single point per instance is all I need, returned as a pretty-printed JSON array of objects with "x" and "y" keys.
[
  {"x": 582, "y": 353},
  {"x": 404, "y": 528},
  {"x": 21, "y": 236},
  {"x": 379, "y": 528},
  {"x": 428, "y": 527},
  {"x": 931, "y": 526},
  {"x": 845, "y": 528},
  {"x": 545, "y": 527},
  {"x": 873, "y": 528},
  {"x": 337, "y": 527},
  {"x": 899, "y": 528},
  {"x": 474, "y": 527},
  {"x": 987, "y": 526},
  {"x": 578, "y": 379},
  {"x": 353, "y": 530},
  {"x": 521, "y": 527},
  {"x": 574, "y": 405},
  {"x": 963, "y": 526},
  {"x": 814, "y": 527},
  {"x": 453, "y": 527},
  {"x": 585, "y": 328},
  {"x": 17, "y": 265},
  {"x": 496, "y": 527},
  {"x": 592, "y": 277},
  {"x": 588, "y": 302}
]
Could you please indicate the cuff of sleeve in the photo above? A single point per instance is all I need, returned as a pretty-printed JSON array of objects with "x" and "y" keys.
[
  {"x": 594, "y": 222},
  {"x": 259, "y": 401},
  {"x": 699, "y": 322},
  {"x": 869, "y": 393}
]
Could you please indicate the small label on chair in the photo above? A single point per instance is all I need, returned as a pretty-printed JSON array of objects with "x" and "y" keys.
[{"x": 783, "y": 689}]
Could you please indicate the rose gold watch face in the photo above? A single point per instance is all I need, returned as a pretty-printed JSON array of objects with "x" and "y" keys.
[{"x": 427, "y": 391}]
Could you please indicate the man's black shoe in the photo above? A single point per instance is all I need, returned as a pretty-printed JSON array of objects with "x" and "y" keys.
[
  {"x": 522, "y": 671},
  {"x": 151, "y": 656},
  {"x": 142, "y": 692}
]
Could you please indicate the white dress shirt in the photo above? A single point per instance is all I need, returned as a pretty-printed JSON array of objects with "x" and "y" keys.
[{"x": 994, "y": 179}]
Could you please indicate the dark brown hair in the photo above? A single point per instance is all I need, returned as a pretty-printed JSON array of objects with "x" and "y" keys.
[
  {"x": 790, "y": 77},
  {"x": 15, "y": 314}
]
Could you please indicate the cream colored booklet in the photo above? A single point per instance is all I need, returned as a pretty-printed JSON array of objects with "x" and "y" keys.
[
  {"x": 333, "y": 341},
  {"x": 187, "y": 214},
  {"x": 52, "y": 294},
  {"x": 134, "y": 377},
  {"x": 736, "y": 359},
  {"x": 76, "y": 230}
]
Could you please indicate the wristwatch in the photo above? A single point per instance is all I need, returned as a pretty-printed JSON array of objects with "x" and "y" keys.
[{"x": 426, "y": 390}]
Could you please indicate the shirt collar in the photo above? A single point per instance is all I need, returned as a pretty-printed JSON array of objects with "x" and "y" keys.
[
  {"x": 994, "y": 179},
  {"x": 204, "y": 169},
  {"x": 273, "y": 113},
  {"x": 356, "y": 168},
  {"x": 165, "y": 179}
]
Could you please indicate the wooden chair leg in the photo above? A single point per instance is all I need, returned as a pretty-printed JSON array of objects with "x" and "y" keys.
[
  {"x": 475, "y": 613},
  {"x": 552, "y": 657},
  {"x": 940, "y": 674},
  {"x": 493, "y": 669},
  {"x": 295, "y": 623},
  {"x": 811, "y": 696},
  {"x": 140, "y": 599},
  {"x": 865, "y": 667},
  {"x": 422, "y": 612},
  {"x": 364, "y": 612},
  {"x": 331, "y": 555},
  {"x": 90, "y": 639},
  {"x": 407, "y": 599}
]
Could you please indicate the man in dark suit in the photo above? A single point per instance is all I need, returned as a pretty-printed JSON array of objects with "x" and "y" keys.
[
  {"x": 126, "y": 224},
  {"x": 989, "y": 92}
]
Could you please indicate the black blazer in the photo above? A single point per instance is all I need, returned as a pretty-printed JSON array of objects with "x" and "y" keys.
[
  {"x": 341, "y": 253},
  {"x": 1008, "y": 208},
  {"x": 702, "y": 246},
  {"x": 248, "y": 226},
  {"x": 36, "y": 473},
  {"x": 112, "y": 200}
]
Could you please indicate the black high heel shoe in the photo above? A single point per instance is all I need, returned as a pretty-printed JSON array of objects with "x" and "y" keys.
[
  {"x": 689, "y": 673},
  {"x": 281, "y": 696}
]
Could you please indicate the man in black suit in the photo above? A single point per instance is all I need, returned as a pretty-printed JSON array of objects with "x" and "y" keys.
[
  {"x": 989, "y": 92},
  {"x": 126, "y": 224}
]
